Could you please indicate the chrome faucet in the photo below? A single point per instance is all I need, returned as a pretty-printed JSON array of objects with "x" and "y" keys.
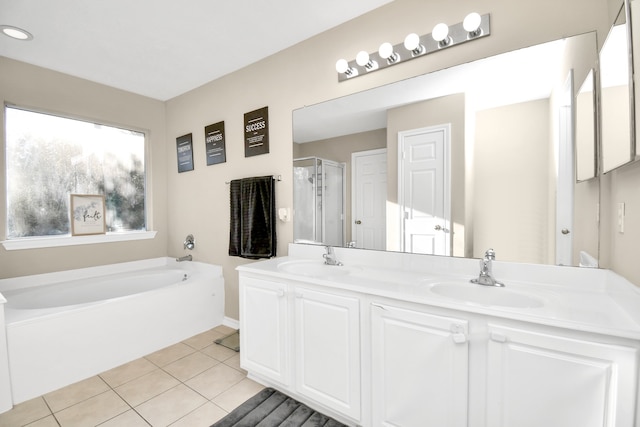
[
  {"x": 486, "y": 275},
  {"x": 330, "y": 257},
  {"x": 184, "y": 258}
]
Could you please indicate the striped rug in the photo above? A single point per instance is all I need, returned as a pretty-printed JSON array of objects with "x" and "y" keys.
[{"x": 270, "y": 408}]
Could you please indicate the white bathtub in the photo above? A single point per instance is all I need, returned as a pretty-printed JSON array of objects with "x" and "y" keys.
[{"x": 67, "y": 326}]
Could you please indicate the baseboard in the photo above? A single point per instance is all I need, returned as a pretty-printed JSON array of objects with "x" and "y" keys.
[{"x": 232, "y": 323}]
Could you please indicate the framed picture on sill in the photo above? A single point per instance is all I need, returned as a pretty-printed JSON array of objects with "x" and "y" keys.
[{"x": 87, "y": 214}]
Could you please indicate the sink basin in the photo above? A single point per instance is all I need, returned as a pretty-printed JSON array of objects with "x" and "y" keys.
[
  {"x": 486, "y": 295},
  {"x": 311, "y": 268}
]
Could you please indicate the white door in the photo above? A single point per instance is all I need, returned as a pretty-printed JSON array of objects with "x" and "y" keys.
[
  {"x": 264, "y": 320},
  {"x": 369, "y": 196},
  {"x": 420, "y": 369},
  {"x": 565, "y": 177},
  {"x": 539, "y": 379},
  {"x": 423, "y": 193},
  {"x": 327, "y": 348}
]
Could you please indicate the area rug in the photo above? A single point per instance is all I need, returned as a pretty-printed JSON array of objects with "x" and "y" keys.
[{"x": 270, "y": 408}]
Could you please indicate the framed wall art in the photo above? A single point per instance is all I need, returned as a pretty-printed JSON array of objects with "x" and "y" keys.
[
  {"x": 256, "y": 132},
  {"x": 184, "y": 145},
  {"x": 87, "y": 214}
]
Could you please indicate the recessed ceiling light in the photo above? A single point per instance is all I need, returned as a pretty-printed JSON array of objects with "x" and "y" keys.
[{"x": 16, "y": 33}]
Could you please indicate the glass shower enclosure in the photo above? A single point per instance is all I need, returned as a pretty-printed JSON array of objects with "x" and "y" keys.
[{"x": 318, "y": 201}]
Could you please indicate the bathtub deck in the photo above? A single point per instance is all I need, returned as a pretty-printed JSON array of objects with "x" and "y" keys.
[{"x": 193, "y": 383}]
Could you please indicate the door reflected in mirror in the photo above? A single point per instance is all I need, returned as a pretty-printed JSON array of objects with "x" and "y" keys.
[{"x": 503, "y": 116}]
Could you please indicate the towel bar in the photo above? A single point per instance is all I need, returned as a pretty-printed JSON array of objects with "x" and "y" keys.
[{"x": 276, "y": 177}]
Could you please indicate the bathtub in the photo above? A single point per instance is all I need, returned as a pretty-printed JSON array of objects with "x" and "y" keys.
[{"x": 68, "y": 326}]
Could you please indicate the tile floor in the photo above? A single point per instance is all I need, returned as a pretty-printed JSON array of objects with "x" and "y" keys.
[{"x": 190, "y": 384}]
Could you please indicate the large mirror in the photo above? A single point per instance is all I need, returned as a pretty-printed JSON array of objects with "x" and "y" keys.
[
  {"x": 616, "y": 95},
  {"x": 463, "y": 159}
]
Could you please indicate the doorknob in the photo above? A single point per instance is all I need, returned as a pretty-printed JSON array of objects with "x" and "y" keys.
[
  {"x": 565, "y": 231},
  {"x": 437, "y": 228},
  {"x": 358, "y": 222}
]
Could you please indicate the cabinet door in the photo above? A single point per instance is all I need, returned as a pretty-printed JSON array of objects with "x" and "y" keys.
[
  {"x": 540, "y": 379},
  {"x": 327, "y": 348},
  {"x": 264, "y": 329},
  {"x": 420, "y": 368}
]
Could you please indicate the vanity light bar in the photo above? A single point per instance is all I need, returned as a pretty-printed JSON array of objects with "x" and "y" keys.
[{"x": 474, "y": 27}]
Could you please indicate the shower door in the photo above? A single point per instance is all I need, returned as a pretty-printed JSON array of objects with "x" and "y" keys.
[{"x": 318, "y": 201}]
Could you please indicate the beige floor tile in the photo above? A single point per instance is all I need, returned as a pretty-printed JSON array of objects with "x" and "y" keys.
[
  {"x": 146, "y": 387},
  {"x": 170, "y": 354},
  {"x": 127, "y": 419},
  {"x": 234, "y": 362},
  {"x": 190, "y": 366},
  {"x": 204, "y": 416},
  {"x": 203, "y": 340},
  {"x": 219, "y": 352},
  {"x": 75, "y": 393},
  {"x": 224, "y": 330},
  {"x": 49, "y": 421},
  {"x": 127, "y": 372},
  {"x": 93, "y": 411},
  {"x": 215, "y": 380},
  {"x": 25, "y": 413},
  {"x": 237, "y": 394},
  {"x": 170, "y": 406}
]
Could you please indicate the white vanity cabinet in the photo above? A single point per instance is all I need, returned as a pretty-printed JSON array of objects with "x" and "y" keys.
[
  {"x": 327, "y": 349},
  {"x": 373, "y": 352},
  {"x": 265, "y": 334},
  {"x": 419, "y": 368},
  {"x": 424, "y": 361},
  {"x": 541, "y": 378},
  {"x": 303, "y": 341}
]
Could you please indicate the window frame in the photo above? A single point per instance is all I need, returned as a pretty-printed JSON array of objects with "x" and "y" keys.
[{"x": 36, "y": 242}]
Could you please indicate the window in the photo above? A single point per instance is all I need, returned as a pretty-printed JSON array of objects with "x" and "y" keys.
[{"x": 50, "y": 157}]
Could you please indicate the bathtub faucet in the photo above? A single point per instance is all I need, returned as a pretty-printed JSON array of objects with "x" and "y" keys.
[
  {"x": 486, "y": 275},
  {"x": 184, "y": 258}
]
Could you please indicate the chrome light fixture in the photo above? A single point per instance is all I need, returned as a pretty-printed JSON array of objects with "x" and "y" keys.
[{"x": 443, "y": 36}]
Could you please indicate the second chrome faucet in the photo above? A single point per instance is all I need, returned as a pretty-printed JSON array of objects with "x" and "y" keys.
[{"x": 486, "y": 274}]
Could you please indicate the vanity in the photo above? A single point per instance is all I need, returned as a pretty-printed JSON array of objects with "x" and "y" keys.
[{"x": 406, "y": 340}]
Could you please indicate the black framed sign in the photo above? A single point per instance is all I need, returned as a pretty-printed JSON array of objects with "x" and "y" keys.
[
  {"x": 184, "y": 145},
  {"x": 214, "y": 141},
  {"x": 256, "y": 132}
]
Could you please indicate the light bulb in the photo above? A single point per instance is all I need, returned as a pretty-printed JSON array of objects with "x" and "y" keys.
[
  {"x": 362, "y": 58},
  {"x": 440, "y": 32},
  {"x": 385, "y": 51},
  {"x": 342, "y": 66},
  {"x": 472, "y": 22},
  {"x": 412, "y": 42}
]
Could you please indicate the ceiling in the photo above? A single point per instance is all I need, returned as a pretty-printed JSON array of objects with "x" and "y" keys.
[{"x": 163, "y": 48}]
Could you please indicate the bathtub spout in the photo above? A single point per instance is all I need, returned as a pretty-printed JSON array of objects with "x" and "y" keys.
[{"x": 184, "y": 258}]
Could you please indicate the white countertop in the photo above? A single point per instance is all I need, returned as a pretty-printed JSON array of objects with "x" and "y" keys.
[{"x": 590, "y": 300}]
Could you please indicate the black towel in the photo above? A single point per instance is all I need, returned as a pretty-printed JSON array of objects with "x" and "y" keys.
[{"x": 252, "y": 232}]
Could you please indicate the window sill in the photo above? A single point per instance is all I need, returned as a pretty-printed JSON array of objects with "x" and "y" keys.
[{"x": 56, "y": 241}]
